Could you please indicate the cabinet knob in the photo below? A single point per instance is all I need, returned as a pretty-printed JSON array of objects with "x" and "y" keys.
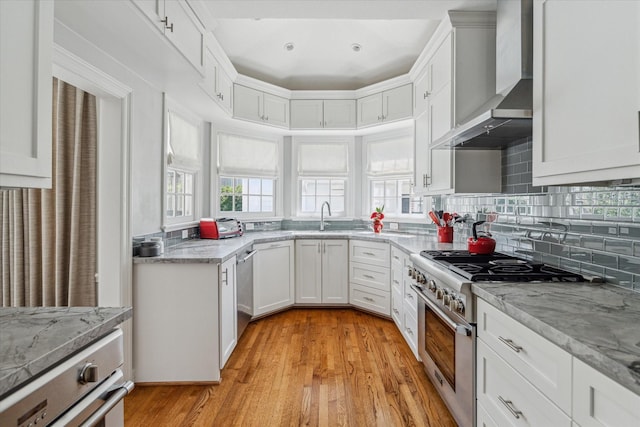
[
  {"x": 426, "y": 94},
  {"x": 88, "y": 374}
]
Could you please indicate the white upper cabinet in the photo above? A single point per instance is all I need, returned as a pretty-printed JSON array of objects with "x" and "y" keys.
[
  {"x": 586, "y": 101},
  {"x": 388, "y": 106},
  {"x": 217, "y": 84},
  {"x": 257, "y": 106},
  {"x": 26, "y": 47},
  {"x": 176, "y": 20},
  {"x": 323, "y": 114}
]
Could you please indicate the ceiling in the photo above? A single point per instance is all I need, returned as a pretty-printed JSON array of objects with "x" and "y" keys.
[{"x": 391, "y": 35}]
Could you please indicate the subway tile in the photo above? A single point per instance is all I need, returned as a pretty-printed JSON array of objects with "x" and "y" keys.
[
  {"x": 592, "y": 242},
  {"x": 591, "y": 269},
  {"x": 571, "y": 239},
  {"x": 569, "y": 264},
  {"x": 580, "y": 255},
  {"x": 618, "y": 246},
  {"x": 630, "y": 231},
  {"x": 604, "y": 260},
  {"x": 581, "y": 227},
  {"x": 605, "y": 229},
  {"x": 619, "y": 278},
  {"x": 629, "y": 264}
]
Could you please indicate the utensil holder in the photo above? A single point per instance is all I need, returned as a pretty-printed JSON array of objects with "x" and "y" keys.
[{"x": 445, "y": 234}]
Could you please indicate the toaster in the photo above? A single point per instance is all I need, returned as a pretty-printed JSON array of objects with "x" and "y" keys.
[{"x": 221, "y": 228}]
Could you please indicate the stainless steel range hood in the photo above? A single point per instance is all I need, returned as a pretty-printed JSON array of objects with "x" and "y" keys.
[{"x": 506, "y": 117}]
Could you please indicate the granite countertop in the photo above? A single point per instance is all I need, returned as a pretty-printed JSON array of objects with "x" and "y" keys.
[
  {"x": 34, "y": 339},
  {"x": 218, "y": 251},
  {"x": 595, "y": 322}
]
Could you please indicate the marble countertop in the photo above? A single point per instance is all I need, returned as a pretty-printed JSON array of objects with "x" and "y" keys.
[
  {"x": 32, "y": 340},
  {"x": 597, "y": 323},
  {"x": 217, "y": 251}
]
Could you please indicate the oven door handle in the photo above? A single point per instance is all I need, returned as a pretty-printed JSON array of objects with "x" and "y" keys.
[
  {"x": 109, "y": 391},
  {"x": 457, "y": 327}
]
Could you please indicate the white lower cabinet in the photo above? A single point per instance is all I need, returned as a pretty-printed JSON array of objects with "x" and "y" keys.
[
  {"x": 176, "y": 323},
  {"x": 273, "y": 277},
  {"x": 404, "y": 301},
  {"x": 228, "y": 311},
  {"x": 322, "y": 271},
  {"x": 599, "y": 401},
  {"x": 509, "y": 398},
  {"x": 369, "y": 276}
]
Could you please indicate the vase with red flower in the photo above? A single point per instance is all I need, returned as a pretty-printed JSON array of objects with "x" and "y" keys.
[{"x": 377, "y": 218}]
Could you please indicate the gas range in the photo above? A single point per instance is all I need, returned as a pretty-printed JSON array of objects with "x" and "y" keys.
[{"x": 445, "y": 277}]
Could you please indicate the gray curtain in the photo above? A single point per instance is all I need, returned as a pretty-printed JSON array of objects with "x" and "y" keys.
[{"x": 48, "y": 237}]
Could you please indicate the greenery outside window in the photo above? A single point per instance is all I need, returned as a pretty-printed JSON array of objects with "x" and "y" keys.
[
  {"x": 395, "y": 195},
  {"x": 253, "y": 195}
]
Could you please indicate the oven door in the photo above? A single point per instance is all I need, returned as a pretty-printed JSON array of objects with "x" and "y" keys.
[
  {"x": 103, "y": 406},
  {"x": 447, "y": 352}
]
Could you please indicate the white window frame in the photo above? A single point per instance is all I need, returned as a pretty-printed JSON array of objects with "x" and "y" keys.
[
  {"x": 215, "y": 175},
  {"x": 296, "y": 178},
  {"x": 367, "y": 178},
  {"x": 169, "y": 224}
]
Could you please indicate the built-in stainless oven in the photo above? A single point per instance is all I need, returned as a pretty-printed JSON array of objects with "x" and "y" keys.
[
  {"x": 87, "y": 389},
  {"x": 446, "y": 336}
]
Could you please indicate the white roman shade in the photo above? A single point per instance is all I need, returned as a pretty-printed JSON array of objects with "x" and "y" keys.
[
  {"x": 323, "y": 159},
  {"x": 183, "y": 150},
  {"x": 392, "y": 156},
  {"x": 244, "y": 156}
]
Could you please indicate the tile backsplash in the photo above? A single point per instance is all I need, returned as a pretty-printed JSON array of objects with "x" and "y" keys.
[{"x": 594, "y": 231}]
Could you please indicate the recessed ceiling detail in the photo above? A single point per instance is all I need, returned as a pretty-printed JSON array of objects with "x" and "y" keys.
[{"x": 318, "y": 38}]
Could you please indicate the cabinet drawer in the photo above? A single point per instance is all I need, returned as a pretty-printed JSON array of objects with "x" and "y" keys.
[
  {"x": 396, "y": 307},
  {"x": 410, "y": 302},
  {"x": 369, "y": 275},
  {"x": 410, "y": 331},
  {"x": 544, "y": 364},
  {"x": 398, "y": 257},
  {"x": 369, "y": 253},
  {"x": 509, "y": 398},
  {"x": 370, "y": 299},
  {"x": 599, "y": 401}
]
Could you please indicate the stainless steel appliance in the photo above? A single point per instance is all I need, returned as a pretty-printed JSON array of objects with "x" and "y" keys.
[
  {"x": 86, "y": 389},
  {"x": 244, "y": 281},
  {"x": 446, "y": 321}
]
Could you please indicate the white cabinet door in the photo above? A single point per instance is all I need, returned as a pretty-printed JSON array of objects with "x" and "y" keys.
[
  {"x": 397, "y": 103},
  {"x": 153, "y": 9},
  {"x": 599, "y": 401},
  {"x": 308, "y": 271},
  {"x": 509, "y": 398},
  {"x": 247, "y": 103},
  {"x": 273, "y": 277},
  {"x": 340, "y": 114},
  {"x": 440, "y": 112},
  {"x": 228, "y": 310},
  {"x": 26, "y": 46},
  {"x": 276, "y": 110},
  {"x": 335, "y": 271},
  {"x": 586, "y": 111},
  {"x": 421, "y": 88},
  {"x": 176, "y": 322},
  {"x": 307, "y": 114},
  {"x": 370, "y": 110},
  {"x": 441, "y": 65},
  {"x": 224, "y": 90}
]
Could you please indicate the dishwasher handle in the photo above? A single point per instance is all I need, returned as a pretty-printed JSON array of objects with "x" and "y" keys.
[{"x": 247, "y": 257}]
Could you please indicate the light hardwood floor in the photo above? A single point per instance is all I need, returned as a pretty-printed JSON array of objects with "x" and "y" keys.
[{"x": 304, "y": 367}]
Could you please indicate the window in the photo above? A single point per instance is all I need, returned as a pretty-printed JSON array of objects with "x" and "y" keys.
[
  {"x": 248, "y": 170},
  {"x": 183, "y": 153},
  {"x": 246, "y": 195},
  {"x": 389, "y": 169},
  {"x": 322, "y": 175}
]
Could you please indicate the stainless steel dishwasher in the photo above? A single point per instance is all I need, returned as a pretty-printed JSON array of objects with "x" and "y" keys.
[{"x": 244, "y": 283}]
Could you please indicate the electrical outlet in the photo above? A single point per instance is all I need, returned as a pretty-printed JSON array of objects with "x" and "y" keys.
[
  {"x": 249, "y": 226},
  {"x": 393, "y": 226},
  {"x": 185, "y": 234}
]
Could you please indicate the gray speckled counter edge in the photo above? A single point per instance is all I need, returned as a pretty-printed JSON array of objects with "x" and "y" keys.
[
  {"x": 597, "y": 323},
  {"x": 32, "y": 340}
]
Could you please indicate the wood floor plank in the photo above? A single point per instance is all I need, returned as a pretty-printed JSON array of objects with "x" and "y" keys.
[{"x": 304, "y": 367}]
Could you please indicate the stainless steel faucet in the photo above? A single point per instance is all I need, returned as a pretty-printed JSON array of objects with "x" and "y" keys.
[{"x": 322, "y": 214}]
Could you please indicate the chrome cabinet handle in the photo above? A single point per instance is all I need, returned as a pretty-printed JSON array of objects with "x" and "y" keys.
[
  {"x": 426, "y": 94},
  {"x": 509, "y": 404},
  {"x": 369, "y": 276},
  {"x": 226, "y": 276},
  {"x": 369, "y": 253},
  {"x": 395, "y": 310},
  {"x": 509, "y": 343},
  {"x": 396, "y": 282},
  {"x": 368, "y": 299}
]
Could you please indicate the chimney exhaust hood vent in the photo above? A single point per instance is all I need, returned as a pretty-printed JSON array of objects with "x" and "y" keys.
[{"x": 506, "y": 117}]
